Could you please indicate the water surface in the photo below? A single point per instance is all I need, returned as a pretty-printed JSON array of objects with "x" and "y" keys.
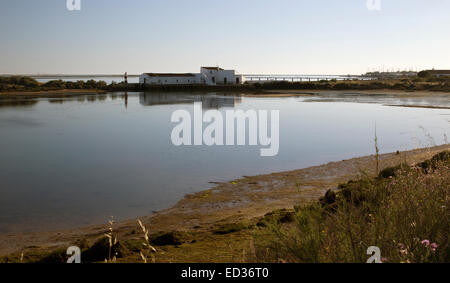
[{"x": 77, "y": 161}]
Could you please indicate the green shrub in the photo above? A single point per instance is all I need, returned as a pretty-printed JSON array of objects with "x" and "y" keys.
[
  {"x": 55, "y": 84},
  {"x": 407, "y": 216},
  {"x": 18, "y": 82},
  {"x": 442, "y": 158},
  {"x": 391, "y": 171}
]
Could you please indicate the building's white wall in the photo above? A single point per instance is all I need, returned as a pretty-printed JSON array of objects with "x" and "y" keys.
[
  {"x": 241, "y": 79},
  {"x": 226, "y": 77},
  {"x": 143, "y": 79},
  {"x": 204, "y": 77},
  {"x": 201, "y": 78},
  {"x": 219, "y": 76},
  {"x": 209, "y": 75},
  {"x": 182, "y": 80}
]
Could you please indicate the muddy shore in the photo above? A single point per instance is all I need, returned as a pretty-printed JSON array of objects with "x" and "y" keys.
[
  {"x": 231, "y": 202},
  {"x": 49, "y": 93},
  {"x": 377, "y": 92},
  {"x": 249, "y": 93}
]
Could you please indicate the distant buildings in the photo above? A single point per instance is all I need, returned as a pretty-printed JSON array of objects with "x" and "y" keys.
[
  {"x": 409, "y": 74},
  {"x": 391, "y": 75},
  {"x": 207, "y": 76}
]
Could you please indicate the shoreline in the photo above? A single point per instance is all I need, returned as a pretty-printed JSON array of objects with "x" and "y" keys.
[
  {"x": 374, "y": 92},
  {"x": 245, "y": 92},
  {"x": 229, "y": 202},
  {"x": 50, "y": 93}
]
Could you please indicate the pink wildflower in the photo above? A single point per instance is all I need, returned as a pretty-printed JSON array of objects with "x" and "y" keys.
[
  {"x": 426, "y": 243},
  {"x": 434, "y": 246}
]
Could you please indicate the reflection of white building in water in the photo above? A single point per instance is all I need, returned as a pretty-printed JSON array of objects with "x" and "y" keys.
[
  {"x": 210, "y": 101},
  {"x": 207, "y": 75}
]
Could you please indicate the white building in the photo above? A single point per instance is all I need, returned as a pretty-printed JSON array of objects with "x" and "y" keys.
[{"x": 207, "y": 75}]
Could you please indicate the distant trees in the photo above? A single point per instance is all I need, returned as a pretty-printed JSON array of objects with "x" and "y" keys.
[
  {"x": 90, "y": 84},
  {"x": 55, "y": 84},
  {"x": 74, "y": 85},
  {"x": 19, "y": 80},
  {"x": 17, "y": 83},
  {"x": 23, "y": 83},
  {"x": 424, "y": 81}
]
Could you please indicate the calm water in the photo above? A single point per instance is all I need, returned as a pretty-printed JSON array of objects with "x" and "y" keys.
[{"x": 77, "y": 161}]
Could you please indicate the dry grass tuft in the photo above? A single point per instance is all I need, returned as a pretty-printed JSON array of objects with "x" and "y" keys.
[
  {"x": 112, "y": 241},
  {"x": 149, "y": 249}
]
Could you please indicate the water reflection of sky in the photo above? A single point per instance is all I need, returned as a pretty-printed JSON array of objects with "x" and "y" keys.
[
  {"x": 442, "y": 101},
  {"x": 79, "y": 160}
]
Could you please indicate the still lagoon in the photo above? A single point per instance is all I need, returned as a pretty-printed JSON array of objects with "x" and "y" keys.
[{"x": 77, "y": 161}]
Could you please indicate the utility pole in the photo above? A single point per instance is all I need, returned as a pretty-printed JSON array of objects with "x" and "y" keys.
[{"x": 126, "y": 89}]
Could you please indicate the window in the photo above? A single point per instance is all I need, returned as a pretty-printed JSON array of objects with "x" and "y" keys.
[{"x": 213, "y": 80}]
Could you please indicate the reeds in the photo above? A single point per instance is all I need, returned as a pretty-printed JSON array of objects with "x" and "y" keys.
[
  {"x": 148, "y": 248},
  {"x": 112, "y": 241},
  {"x": 377, "y": 153}
]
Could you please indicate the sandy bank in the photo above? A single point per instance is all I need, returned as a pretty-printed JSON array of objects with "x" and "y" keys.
[
  {"x": 247, "y": 93},
  {"x": 381, "y": 92},
  {"x": 49, "y": 93},
  {"x": 229, "y": 202}
]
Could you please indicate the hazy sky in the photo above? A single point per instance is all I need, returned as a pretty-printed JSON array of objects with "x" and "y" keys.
[{"x": 251, "y": 36}]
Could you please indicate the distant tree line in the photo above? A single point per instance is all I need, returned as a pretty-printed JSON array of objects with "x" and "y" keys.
[
  {"x": 421, "y": 82},
  {"x": 18, "y": 83},
  {"x": 23, "y": 83}
]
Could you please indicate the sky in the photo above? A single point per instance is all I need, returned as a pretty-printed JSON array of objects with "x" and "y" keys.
[{"x": 251, "y": 36}]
